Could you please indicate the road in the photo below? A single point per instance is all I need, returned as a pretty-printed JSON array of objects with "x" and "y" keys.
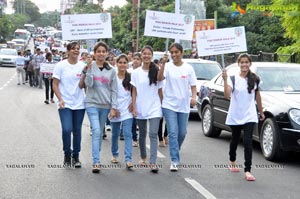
[{"x": 31, "y": 154}]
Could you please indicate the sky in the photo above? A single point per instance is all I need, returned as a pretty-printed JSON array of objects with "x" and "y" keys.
[{"x": 51, "y": 5}]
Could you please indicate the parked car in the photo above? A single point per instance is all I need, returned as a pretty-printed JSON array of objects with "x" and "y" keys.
[
  {"x": 280, "y": 92},
  {"x": 11, "y": 44},
  {"x": 8, "y": 57},
  {"x": 205, "y": 70},
  {"x": 20, "y": 41},
  {"x": 3, "y": 46}
]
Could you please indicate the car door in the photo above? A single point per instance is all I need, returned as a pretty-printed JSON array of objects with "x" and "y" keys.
[{"x": 219, "y": 103}]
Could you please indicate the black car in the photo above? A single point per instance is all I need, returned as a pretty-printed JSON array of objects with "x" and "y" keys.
[{"x": 280, "y": 92}]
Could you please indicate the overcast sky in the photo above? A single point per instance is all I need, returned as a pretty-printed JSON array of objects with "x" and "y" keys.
[{"x": 52, "y": 5}]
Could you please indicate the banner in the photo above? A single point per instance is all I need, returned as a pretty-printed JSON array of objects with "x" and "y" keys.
[
  {"x": 86, "y": 26},
  {"x": 47, "y": 68},
  {"x": 221, "y": 41},
  {"x": 169, "y": 25}
]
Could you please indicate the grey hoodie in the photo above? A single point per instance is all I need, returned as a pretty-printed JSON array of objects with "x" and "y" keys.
[{"x": 102, "y": 87}]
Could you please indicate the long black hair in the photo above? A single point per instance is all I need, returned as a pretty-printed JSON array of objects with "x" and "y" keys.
[
  {"x": 252, "y": 78},
  {"x": 126, "y": 81},
  {"x": 153, "y": 69}
]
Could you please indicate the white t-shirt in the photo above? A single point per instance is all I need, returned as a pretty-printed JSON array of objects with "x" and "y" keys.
[
  {"x": 178, "y": 81},
  {"x": 147, "y": 100},
  {"x": 124, "y": 100},
  {"x": 69, "y": 77},
  {"x": 242, "y": 107}
]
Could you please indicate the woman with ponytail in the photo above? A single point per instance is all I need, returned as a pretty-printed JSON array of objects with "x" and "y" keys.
[
  {"x": 242, "y": 113},
  {"x": 146, "y": 104},
  {"x": 124, "y": 115}
]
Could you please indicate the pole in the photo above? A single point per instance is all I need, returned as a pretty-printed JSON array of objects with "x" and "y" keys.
[
  {"x": 177, "y": 11},
  {"x": 216, "y": 26},
  {"x": 138, "y": 26}
]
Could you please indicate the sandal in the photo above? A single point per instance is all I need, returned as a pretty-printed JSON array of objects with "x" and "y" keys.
[
  {"x": 249, "y": 177},
  {"x": 96, "y": 168},
  {"x": 135, "y": 144},
  {"x": 143, "y": 162},
  {"x": 129, "y": 165},
  {"x": 166, "y": 140},
  {"x": 154, "y": 168},
  {"x": 161, "y": 144},
  {"x": 114, "y": 160},
  {"x": 233, "y": 167}
]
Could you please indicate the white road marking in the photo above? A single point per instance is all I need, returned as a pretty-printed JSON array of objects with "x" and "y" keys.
[
  {"x": 159, "y": 154},
  {"x": 196, "y": 185},
  {"x": 8, "y": 82}
]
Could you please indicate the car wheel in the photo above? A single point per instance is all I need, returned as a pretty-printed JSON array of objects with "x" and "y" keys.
[
  {"x": 269, "y": 140},
  {"x": 208, "y": 128}
]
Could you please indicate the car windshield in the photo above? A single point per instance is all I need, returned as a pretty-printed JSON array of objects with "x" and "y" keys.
[
  {"x": 284, "y": 79},
  {"x": 206, "y": 71},
  {"x": 8, "y": 52}
]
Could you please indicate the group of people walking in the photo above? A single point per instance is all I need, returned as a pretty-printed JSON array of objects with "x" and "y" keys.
[{"x": 140, "y": 92}]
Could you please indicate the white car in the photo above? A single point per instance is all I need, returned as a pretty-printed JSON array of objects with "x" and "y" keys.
[
  {"x": 205, "y": 70},
  {"x": 8, "y": 57}
]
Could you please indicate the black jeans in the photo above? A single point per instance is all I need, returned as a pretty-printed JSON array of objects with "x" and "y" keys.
[
  {"x": 160, "y": 130},
  {"x": 236, "y": 133},
  {"x": 47, "y": 82},
  {"x": 30, "y": 77}
]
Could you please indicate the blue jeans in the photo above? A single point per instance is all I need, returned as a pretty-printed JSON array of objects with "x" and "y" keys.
[
  {"x": 71, "y": 121},
  {"x": 127, "y": 124},
  {"x": 177, "y": 129},
  {"x": 97, "y": 117}
]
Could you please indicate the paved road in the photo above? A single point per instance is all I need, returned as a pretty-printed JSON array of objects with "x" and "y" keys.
[{"x": 31, "y": 138}]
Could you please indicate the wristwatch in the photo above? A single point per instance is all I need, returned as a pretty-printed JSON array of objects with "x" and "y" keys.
[{"x": 84, "y": 72}]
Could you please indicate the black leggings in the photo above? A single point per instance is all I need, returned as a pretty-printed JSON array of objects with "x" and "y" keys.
[
  {"x": 236, "y": 133},
  {"x": 160, "y": 130},
  {"x": 48, "y": 83}
]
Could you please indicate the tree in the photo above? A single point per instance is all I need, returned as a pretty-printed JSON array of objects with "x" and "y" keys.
[
  {"x": 31, "y": 10},
  {"x": 9, "y": 23},
  {"x": 291, "y": 22},
  {"x": 262, "y": 32}
]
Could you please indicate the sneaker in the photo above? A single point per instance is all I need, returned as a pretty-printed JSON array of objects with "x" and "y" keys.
[
  {"x": 76, "y": 163},
  {"x": 46, "y": 101},
  {"x": 67, "y": 161},
  {"x": 52, "y": 101},
  {"x": 96, "y": 168},
  {"x": 18, "y": 84},
  {"x": 174, "y": 166}
]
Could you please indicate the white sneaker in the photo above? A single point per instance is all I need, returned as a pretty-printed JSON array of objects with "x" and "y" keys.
[{"x": 174, "y": 166}]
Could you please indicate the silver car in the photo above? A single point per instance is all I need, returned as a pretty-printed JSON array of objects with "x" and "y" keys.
[{"x": 8, "y": 57}]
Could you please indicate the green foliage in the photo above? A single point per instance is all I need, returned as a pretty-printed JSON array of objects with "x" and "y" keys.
[
  {"x": 263, "y": 33},
  {"x": 124, "y": 34},
  {"x": 48, "y": 19},
  {"x": 82, "y": 7},
  {"x": 291, "y": 23},
  {"x": 31, "y": 10},
  {"x": 9, "y": 23}
]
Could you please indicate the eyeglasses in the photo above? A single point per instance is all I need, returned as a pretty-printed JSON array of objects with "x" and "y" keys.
[{"x": 122, "y": 62}]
